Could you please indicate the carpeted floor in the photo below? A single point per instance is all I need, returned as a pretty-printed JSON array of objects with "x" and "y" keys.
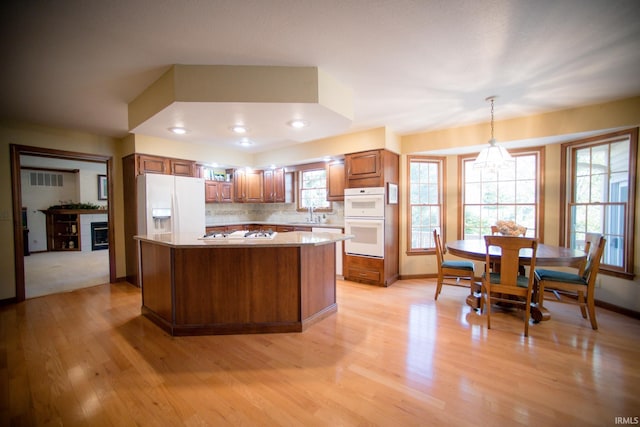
[{"x": 53, "y": 272}]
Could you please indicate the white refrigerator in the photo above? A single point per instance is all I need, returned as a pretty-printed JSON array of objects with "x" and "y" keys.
[{"x": 170, "y": 204}]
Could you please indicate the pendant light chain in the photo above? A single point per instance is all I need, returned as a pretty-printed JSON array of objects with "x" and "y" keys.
[
  {"x": 494, "y": 156},
  {"x": 492, "y": 118}
]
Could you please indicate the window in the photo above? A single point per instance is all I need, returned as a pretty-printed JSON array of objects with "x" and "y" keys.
[
  {"x": 313, "y": 190},
  {"x": 511, "y": 194},
  {"x": 600, "y": 196},
  {"x": 425, "y": 202}
]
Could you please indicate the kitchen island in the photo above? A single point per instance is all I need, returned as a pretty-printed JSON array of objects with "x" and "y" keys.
[{"x": 195, "y": 286}]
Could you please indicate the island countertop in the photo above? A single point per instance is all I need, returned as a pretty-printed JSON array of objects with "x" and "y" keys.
[{"x": 284, "y": 239}]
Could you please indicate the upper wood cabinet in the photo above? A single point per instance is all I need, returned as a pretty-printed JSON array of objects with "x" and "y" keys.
[
  {"x": 239, "y": 185},
  {"x": 182, "y": 167},
  {"x": 248, "y": 186},
  {"x": 274, "y": 186},
  {"x": 255, "y": 186},
  {"x": 218, "y": 191},
  {"x": 335, "y": 181},
  {"x": 364, "y": 169},
  {"x": 152, "y": 164},
  {"x": 164, "y": 165}
]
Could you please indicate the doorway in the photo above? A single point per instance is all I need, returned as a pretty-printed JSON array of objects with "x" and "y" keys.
[{"x": 16, "y": 152}]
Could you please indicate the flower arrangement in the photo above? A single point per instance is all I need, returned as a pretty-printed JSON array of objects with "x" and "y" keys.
[{"x": 510, "y": 228}]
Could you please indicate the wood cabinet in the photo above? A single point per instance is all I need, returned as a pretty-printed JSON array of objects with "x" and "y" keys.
[
  {"x": 364, "y": 169},
  {"x": 218, "y": 192},
  {"x": 63, "y": 230},
  {"x": 335, "y": 181},
  {"x": 255, "y": 186},
  {"x": 152, "y": 164},
  {"x": 274, "y": 185},
  {"x": 182, "y": 167},
  {"x": 165, "y": 165},
  {"x": 365, "y": 270},
  {"x": 248, "y": 186},
  {"x": 376, "y": 168},
  {"x": 239, "y": 185},
  {"x": 210, "y": 290}
]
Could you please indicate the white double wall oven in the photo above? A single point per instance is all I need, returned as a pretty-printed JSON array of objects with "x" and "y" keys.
[{"x": 364, "y": 219}]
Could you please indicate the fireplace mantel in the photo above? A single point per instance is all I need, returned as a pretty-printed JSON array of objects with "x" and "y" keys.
[{"x": 74, "y": 211}]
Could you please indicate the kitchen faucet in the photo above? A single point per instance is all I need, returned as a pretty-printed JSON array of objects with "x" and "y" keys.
[{"x": 311, "y": 214}]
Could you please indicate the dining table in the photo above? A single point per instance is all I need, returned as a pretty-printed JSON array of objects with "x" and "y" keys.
[{"x": 546, "y": 256}]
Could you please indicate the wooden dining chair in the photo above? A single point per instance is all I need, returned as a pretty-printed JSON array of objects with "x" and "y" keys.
[
  {"x": 450, "y": 269},
  {"x": 495, "y": 230},
  {"x": 508, "y": 283},
  {"x": 580, "y": 287}
]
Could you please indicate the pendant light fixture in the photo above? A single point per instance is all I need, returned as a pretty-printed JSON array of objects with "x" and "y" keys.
[{"x": 494, "y": 156}]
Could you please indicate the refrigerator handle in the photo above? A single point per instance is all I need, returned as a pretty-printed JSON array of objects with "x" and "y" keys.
[{"x": 176, "y": 215}]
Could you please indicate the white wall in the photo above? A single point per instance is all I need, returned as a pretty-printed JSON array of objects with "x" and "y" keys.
[
  {"x": 85, "y": 229},
  {"x": 39, "y": 197},
  {"x": 81, "y": 187}
]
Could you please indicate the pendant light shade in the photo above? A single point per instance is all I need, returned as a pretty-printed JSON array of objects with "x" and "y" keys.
[{"x": 494, "y": 156}]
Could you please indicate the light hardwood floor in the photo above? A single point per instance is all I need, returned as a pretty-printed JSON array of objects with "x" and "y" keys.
[{"x": 389, "y": 357}]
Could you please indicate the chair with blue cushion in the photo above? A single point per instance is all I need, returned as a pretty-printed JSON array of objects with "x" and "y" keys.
[
  {"x": 450, "y": 269},
  {"x": 508, "y": 285},
  {"x": 580, "y": 287}
]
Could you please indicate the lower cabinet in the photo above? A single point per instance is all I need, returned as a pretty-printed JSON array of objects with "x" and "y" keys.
[
  {"x": 364, "y": 269},
  {"x": 373, "y": 271},
  {"x": 339, "y": 246}
]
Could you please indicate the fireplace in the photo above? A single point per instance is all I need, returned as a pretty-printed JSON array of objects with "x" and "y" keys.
[{"x": 99, "y": 235}]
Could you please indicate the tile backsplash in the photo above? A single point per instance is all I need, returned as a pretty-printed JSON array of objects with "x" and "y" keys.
[{"x": 230, "y": 213}]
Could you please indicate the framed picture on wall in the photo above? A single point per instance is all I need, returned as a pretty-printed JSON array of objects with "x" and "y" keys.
[
  {"x": 102, "y": 187},
  {"x": 393, "y": 194}
]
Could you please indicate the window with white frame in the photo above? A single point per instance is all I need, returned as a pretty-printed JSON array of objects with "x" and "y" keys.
[
  {"x": 510, "y": 194},
  {"x": 313, "y": 190},
  {"x": 425, "y": 202},
  {"x": 600, "y": 196}
]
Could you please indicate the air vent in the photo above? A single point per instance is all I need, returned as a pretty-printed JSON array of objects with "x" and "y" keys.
[{"x": 45, "y": 179}]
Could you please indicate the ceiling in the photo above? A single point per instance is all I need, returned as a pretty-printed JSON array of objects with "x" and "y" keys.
[{"x": 412, "y": 65}]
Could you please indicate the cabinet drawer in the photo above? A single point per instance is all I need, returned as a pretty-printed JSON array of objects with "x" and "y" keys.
[{"x": 358, "y": 273}]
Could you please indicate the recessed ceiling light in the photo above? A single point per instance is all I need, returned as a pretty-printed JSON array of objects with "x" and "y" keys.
[
  {"x": 298, "y": 123},
  {"x": 239, "y": 129},
  {"x": 178, "y": 130},
  {"x": 246, "y": 142}
]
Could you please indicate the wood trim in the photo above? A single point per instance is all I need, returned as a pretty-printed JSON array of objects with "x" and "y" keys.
[
  {"x": 33, "y": 168},
  {"x": 540, "y": 152},
  {"x": 628, "y": 272},
  {"x": 617, "y": 309},
  {"x": 16, "y": 198},
  {"x": 18, "y": 238},
  {"x": 443, "y": 185}
]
